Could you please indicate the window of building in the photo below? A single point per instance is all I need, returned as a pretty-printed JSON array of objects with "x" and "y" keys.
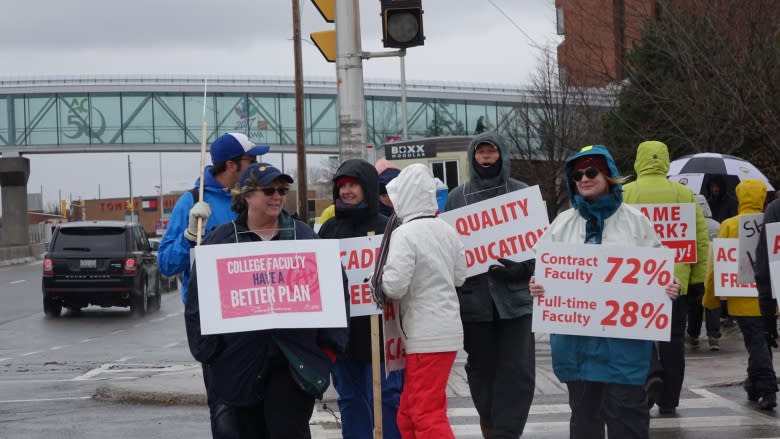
[
  {"x": 559, "y": 19},
  {"x": 447, "y": 171}
]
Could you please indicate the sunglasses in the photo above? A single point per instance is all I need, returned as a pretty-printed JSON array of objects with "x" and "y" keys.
[
  {"x": 269, "y": 191},
  {"x": 591, "y": 173}
]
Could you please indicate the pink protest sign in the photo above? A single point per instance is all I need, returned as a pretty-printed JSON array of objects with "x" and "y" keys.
[{"x": 268, "y": 284}]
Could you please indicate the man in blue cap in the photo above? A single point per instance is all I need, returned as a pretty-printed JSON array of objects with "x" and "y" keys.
[{"x": 231, "y": 153}]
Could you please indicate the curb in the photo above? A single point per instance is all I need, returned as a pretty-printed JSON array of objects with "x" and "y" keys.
[{"x": 110, "y": 392}]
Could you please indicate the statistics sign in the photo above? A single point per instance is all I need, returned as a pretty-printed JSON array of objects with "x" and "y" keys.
[
  {"x": 272, "y": 284},
  {"x": 604, "y": 291}
]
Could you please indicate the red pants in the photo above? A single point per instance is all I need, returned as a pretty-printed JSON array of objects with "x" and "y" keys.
[{"x": 423, "y": 410}]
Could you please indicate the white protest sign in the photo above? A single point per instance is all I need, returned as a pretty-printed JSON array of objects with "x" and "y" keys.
[
  {"x": 727, "y": 283},
  {"x": 749, "y": 231},
  {"x": 773, "y": 252},
  {"x": 604, "y": 291},
  {"x": 358, "y": 256},
  {"x": 395, "y": 352},
  {"x": 270, "y": 284},
  {"x": 507, "y": 226},
  {"x": 675, "y": 225}
]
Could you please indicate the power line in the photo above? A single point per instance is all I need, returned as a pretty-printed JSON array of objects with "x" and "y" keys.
[{"x": 517, "y": 26}]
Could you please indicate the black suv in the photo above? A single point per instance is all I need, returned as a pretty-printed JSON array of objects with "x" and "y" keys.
[{"x": 105, "y": 263}]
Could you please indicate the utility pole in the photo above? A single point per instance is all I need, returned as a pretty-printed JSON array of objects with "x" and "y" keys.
[
  {"x": 162, "y": 209},
  {"x": 130, "y": 186},
  {"x": 349, "y": 81},
  {"x": 300, "y": 143}
]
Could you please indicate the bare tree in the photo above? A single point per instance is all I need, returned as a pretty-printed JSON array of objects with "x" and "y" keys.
[{"x": 542, "y": 134}]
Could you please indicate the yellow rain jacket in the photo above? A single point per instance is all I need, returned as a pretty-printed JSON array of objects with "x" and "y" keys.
[
  {"x": 751, "y": 195},
  {"x": 652, "y": 187}
]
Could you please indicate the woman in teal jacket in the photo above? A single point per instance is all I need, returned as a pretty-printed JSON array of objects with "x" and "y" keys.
[{"x": 605, "y": 376}]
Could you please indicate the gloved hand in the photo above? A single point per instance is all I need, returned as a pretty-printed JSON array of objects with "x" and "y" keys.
[
  {"x": 199, "y": 210},
  {"x": 513, "y": 271},
  {"x": 696, "y": 290},
  {"x": 376, "y": 291}
]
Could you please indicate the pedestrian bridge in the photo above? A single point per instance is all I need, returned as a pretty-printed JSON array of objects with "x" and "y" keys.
[{"x": 66, "y": 114}]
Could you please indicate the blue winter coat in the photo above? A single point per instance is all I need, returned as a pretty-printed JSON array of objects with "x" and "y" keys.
[{"x": 173, "y": 256}]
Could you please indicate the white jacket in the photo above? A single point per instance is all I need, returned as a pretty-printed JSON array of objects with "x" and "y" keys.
[
  {"x": 425, "y": 262},
  {"x": 626, "y": 227}
]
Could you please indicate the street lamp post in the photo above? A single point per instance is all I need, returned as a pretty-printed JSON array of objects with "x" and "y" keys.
[{"x": 162, "y": 220}]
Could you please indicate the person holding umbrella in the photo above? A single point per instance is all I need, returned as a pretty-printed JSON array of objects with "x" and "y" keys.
[
  {"x": 667, "y": 370},
  {"x": 722, "y": 204}
]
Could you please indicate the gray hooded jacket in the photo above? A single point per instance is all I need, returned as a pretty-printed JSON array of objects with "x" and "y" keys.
[{"x": 479, "y": 293}]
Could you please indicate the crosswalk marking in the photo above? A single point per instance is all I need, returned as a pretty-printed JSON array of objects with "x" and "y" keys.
[{"x": 465, "y": 425}]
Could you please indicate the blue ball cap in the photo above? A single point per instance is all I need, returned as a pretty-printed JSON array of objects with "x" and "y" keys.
[
  {"x": 262, "y": 174},
  {"x": 233, "y": 145}
]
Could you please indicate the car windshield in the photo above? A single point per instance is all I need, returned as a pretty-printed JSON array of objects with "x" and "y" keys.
[{"x": 89, "y": 239}]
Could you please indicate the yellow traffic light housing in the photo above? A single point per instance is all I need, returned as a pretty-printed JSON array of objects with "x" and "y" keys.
[
  {"x": 326, "y": 42},
  {"x": 327, "y": 9},
  {"x": 402, "y": 24}
]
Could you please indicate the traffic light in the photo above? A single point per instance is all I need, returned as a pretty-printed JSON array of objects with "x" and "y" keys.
[
  {"x": 128, "y": 205},
  {"x": 402, "y": 23},
  {"x": 326, "y": 40}
]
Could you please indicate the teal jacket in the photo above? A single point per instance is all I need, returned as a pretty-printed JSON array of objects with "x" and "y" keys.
[{"x": 588, "y": 358}]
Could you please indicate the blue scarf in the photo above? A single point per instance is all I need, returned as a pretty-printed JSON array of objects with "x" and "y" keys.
[{"x": 596, "y": 213}]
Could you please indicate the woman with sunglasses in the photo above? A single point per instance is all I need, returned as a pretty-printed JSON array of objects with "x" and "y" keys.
[
  {"x": 605, "y": 376},
  {"x": 356, "y": 197},
  {"x": 262, "y": 384}
]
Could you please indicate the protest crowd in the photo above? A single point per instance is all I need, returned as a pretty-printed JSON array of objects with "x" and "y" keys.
[{"x": 399, "y": 279}]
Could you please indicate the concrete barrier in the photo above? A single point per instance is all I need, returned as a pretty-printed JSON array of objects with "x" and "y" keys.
[{"x": 20, "y": 254}]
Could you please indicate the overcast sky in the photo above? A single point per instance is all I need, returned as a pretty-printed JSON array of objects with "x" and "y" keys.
[{"x": 485, "y": 41}]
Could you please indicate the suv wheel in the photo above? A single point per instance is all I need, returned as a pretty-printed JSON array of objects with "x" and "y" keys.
[
  {"x": 140, "y": 301},
  {"x": 156, "y": 300},
  {"x": 52, "y": 308}
]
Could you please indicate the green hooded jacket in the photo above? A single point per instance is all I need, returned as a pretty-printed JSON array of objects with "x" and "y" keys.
[{"x": 652, "y": 187}]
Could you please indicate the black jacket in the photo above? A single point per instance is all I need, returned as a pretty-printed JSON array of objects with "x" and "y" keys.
[
  {"x": 725, "y": 205},
  {"x": 234, "y": 363},
  {"x": 763, "y": 282},
  {"x": 353, "y": 223}
]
